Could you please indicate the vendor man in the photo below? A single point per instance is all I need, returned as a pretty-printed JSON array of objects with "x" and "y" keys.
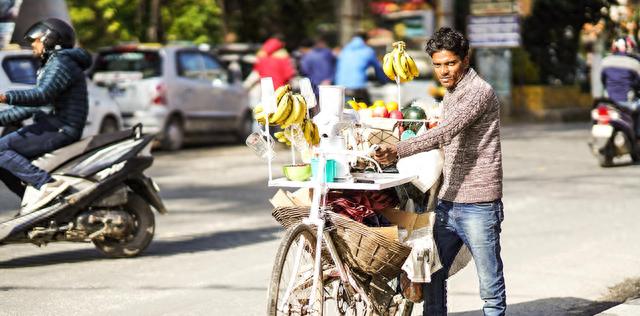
[{"x": 469, "y": 209}]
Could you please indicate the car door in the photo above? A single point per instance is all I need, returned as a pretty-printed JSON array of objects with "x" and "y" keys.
[
  {"x": 222, "y": 98},
  {"x": 190, "y": 89}
]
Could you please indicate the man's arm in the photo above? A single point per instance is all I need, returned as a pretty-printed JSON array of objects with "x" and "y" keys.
[
  {"x": 457, "y": 119},
  {"x": 45, "y": 92},
  {"x": 16, "y": 114}
]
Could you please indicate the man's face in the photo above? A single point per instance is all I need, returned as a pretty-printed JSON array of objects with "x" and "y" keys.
[
  {"x": 38, "y": 47},
  {"x": 449, "y": 68}
]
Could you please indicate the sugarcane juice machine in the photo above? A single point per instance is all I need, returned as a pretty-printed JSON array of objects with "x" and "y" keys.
[{"x": 330, "y": 123}]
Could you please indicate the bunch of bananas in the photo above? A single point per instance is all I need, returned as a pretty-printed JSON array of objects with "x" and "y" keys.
[
  {"x": 309, "y": 130},
  {"x": 291, "y": 109},
  {"x": 398, "y": 64}
]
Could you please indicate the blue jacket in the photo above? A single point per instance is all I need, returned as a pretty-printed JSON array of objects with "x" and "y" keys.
[
  {"x": 319, "y": 65},
  {"x": 621, "y": 77},
  {"x": 354, "y": 60},
  {"x": 61, "y": 84}
]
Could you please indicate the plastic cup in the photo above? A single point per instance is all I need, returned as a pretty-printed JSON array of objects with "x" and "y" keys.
[
  {"x": 260, "y": 146},
  {"x": 330, "y": 169}
]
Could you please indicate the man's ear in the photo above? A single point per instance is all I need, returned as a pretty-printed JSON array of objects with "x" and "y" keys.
[{"x": 465, "y": 61}]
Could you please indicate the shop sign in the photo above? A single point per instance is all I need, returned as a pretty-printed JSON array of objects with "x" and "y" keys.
[
  {"x": 492, "y": 7},
  {"x": 494, "y": 31}
]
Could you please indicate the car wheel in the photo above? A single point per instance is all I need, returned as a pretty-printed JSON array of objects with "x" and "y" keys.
[
  {"x": 109, "y": 125},
  {"x": 173, "y": 135},
  {"x": 246, "y": 128}
]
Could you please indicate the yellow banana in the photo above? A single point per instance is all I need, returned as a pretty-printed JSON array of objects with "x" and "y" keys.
[
  {"x": 283, "y": 109},
  {"x": 303, "y": 113},
  {"x": 316, "y": 134},
  {"x": 405, "y": 66},
  {"x": 387, "y": 65},
  {"x": 296, "y": 109},
  {"x": 281, "y": 91},
  {"x": 261, "y": 118},
  {"x": 412, "y": 66},
  {"x": 397, "y": 66},
  {"x": 306, "y": 129},
  {"x": 258, "y": 109}
]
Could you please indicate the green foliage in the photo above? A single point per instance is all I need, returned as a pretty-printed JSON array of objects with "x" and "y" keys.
[
  {"x": 107, "y": 22},
  {"x": 551, "y": 35},
  {"x": 524, "y": 70}
]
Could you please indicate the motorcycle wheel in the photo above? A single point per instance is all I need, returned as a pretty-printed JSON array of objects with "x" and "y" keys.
[{"x": 139, "y": 239}]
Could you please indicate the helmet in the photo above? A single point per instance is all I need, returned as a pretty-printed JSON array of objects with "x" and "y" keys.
[
  {"x": 52, "y": 32},
  {"x": 623, "y": 44}
]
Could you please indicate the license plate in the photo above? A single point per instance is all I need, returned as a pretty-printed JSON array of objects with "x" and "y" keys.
[{"x": 600, "y": 130}]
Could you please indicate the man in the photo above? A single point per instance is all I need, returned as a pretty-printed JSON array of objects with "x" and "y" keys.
[
  {"x": 621, "y": 75},
  {"x": 61, "y": 85},
  {"x": 318, "y": 63},
  {"x": 351, "y": 69},
  {"x": 469, "y": 209}
]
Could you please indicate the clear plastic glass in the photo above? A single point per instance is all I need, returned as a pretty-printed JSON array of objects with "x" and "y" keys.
[{"x": 260, "y": 145}]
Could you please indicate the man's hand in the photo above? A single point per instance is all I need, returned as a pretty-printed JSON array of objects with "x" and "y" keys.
[
  {"x": 3, "y": 98},
  {"x": 386, "y": 154}
]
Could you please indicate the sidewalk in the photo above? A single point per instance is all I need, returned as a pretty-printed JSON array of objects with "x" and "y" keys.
[{"x": 629, "y": 308}]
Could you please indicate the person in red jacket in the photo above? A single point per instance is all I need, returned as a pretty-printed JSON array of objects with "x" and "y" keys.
[{"x": 273, "y": 61}]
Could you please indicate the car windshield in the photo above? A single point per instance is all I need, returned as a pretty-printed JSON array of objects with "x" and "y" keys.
[{"x": 145, "y": 62}]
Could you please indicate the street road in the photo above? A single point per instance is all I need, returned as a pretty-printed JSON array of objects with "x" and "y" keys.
[{"x": 570, "y": 232}]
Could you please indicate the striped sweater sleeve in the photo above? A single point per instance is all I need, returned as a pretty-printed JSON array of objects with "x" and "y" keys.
[
  {"x": 16, "y": 114},
  {"x": 54, "y": 81},
  {"x": 457, "y": 119}
]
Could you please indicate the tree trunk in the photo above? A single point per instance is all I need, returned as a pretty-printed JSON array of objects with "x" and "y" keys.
[{"x": 153, "y": 31}]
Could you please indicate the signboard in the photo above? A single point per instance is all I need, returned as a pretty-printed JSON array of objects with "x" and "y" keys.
[
  {"x": 491, "y": 7},
  {"x": 494, "y": 31}
]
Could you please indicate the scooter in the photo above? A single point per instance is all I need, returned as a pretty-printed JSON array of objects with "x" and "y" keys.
[
  {"x": 613, "y": 132},
  {"x": 108, "y": 200}
]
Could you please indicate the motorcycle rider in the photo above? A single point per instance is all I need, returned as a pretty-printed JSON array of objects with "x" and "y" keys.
[
  {"x": 621, "y": 76},
  {"x": 61, "y": 85}
]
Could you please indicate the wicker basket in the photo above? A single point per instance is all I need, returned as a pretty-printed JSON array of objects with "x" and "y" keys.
[{"x": 361, "y": 247}]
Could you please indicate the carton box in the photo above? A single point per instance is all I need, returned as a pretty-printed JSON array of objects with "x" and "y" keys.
[{"x": 301, "y": 197}]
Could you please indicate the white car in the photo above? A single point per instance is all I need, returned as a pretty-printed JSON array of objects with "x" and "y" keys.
[
  {"x": 178, "y": 93},
  {"x": 18, "y": 71}
]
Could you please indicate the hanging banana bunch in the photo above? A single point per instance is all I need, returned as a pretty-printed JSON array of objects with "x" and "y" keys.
[
  {"x": 291, "y": 109},
  {"x": 397, "y": 64}
]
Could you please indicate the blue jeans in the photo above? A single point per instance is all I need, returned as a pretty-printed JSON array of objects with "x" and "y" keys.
[
  {"x": 29, "y": 142},
  {"x": 476, "y": 225}
]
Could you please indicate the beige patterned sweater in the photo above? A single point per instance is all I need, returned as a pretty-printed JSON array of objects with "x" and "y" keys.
[{"x": 470, "y": 135}]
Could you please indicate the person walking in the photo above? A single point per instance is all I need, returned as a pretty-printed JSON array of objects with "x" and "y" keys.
[
  {"x": 469, "y": 209},
  {"x": 61, "y": 83},
  {"x": 318, "y": 63},
  {"x": 273, "y": 61},
  {"x": 351, "y": 70}
]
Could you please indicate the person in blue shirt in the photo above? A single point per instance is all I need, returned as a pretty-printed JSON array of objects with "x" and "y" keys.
[
  {"x": 351, "y": 70},
  {"x": 621, "y": 76},
  {"x": 318, "y": 63}
]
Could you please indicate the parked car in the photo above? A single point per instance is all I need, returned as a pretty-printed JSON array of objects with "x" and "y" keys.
[
  {"x": 178, "y": 93},
  {"x": 19, "y": 68}
]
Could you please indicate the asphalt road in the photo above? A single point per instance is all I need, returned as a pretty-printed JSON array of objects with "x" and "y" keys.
[{"x": 570, "y": 232}]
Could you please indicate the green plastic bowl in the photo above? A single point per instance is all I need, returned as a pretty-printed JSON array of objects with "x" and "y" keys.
[{"x": 300, "y": 172}]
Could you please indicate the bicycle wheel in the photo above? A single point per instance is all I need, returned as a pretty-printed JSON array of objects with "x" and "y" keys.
[{"x": 291, "y": 286}]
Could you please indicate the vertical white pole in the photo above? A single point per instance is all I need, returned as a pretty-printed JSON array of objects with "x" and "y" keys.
[{"x": 268, "y": 100}]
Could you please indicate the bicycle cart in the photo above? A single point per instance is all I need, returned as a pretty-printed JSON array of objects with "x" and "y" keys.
[{"x": 328, "y": 264}]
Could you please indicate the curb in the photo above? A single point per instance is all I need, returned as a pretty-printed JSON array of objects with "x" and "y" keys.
[{"x": 628, "y": 308}]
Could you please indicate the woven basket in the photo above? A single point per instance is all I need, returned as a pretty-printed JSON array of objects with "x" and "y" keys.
[{"x": 361, "y": 247}]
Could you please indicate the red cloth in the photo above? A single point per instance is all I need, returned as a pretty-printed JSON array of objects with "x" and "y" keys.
[
  {"x": 279, "y": 68},
  {"x": 358, "y": 204}
]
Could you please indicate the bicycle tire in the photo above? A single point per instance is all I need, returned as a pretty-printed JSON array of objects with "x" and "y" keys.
[{"x": 298, "y": 303}]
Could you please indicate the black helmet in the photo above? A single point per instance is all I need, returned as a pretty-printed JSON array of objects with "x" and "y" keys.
[{"x": 52, "y": 32}]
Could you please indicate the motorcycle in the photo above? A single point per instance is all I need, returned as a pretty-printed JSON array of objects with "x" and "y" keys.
[
  {"x": 613, "y": 132},
  {"x": 108, "y": 200}
]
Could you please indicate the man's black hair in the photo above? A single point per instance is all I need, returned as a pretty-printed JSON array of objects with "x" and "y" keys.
[{"x": 449, "y": 39}]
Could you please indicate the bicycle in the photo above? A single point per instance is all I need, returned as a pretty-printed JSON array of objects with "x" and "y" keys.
[{"x": 321, "y": 266}]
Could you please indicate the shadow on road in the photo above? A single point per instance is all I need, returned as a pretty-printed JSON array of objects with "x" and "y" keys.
[
  {"x": 554, "y": 306},
  {"x": 186, "y": 244}
]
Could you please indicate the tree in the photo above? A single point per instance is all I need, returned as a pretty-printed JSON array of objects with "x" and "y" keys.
[
  {"x": 107, "y": 22},
  {"x": 551, "y": 35}
]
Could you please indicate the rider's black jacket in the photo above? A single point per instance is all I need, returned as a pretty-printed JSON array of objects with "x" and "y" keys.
[{"x": 61, "y": 84}]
